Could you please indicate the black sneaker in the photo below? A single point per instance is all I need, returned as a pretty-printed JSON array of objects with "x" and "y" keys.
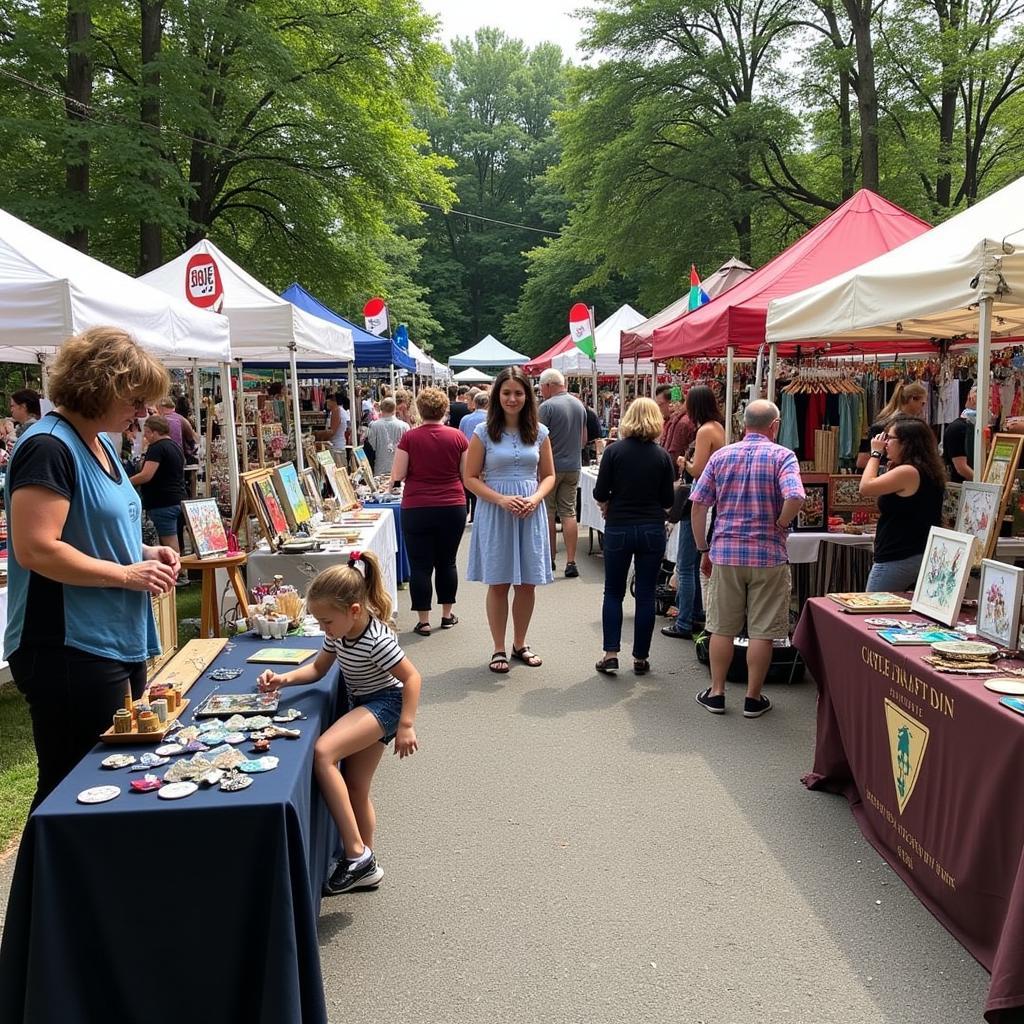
[
  {"x": 755, "y": 707},
  {"x": 347, "y": 877},
  {"x": 571, "y": 571},
  {"x": 715, "y": 703},
  {"x": 679, "y": 634}
]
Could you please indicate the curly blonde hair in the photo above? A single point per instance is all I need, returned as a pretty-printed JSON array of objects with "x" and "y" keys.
[
  {"x": 432, "y": 403},
  {"x": 642, "y": 420},
  {"x": 100, "y": 367}
]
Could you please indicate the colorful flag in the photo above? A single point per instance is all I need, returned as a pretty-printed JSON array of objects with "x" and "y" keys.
[
  {"x": 697, "y": 294},
  {"x": 581, "y": 329},
  {"x": 375, "y": 316}
]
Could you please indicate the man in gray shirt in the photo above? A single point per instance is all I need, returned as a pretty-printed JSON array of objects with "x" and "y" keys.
[
  {"x": 566, "y": 419},
  {"x": 382, "y": 437}
]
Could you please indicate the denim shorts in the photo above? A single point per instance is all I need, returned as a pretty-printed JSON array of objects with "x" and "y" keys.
[
  {"x": 386, "y": 706},
  {"x": 165, "y": 519}
]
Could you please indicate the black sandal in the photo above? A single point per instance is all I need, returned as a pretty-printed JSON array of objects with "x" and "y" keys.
[
  {"x": 609, "y": 666},
  {"x": 451, "y": 620},
  {"x": 641, "y": 666},
  {"x": 499, "y": 659},
  {"x": 526, "y": 656},
  {"x": 423, "y": 628}
]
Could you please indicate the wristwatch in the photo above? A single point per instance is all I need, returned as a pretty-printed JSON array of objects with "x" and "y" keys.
[{"x": 876, "y": 455}]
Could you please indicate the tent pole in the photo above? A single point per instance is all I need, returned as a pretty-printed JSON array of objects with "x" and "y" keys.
[
  {"x": 230, "y": 437},
  {"x": 296, "y": 412},
  {"x": 636, "y": 376},
  {"x": 730, "y": 355},
  {"x": 622, "y": 390},
  {"x": 43, "y": 375},
  {"x": 197, "y": 398},
  {"x": 392, "y": 378},
  {"x": 984, "y": 379},
  {"x": 241, "y": 417},
  {"x": 353, "y": 412},
  {"x": 773, "y": 369}
]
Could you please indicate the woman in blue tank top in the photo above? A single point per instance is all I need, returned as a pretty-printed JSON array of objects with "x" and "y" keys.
[{"x": 80, "y": 620}]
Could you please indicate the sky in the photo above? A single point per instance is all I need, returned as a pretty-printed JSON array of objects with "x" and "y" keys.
[{"x": 533, "y": 21}]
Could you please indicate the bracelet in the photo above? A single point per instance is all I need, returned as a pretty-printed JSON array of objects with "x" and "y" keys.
[{"x": 703, "y": 551}]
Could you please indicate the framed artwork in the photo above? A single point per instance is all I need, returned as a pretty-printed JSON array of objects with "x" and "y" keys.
[
  {"x": 363, "y": 467},
  {"x": 325, "y": 463},
  {"x": 311, "y": 489},
  {"x": 262, "y": 502},
  {"x": 950, "y": 506},
  {"x": 942, "y": 578},
  {"x": 1000, "y": 592},
  {"x": 291, "y": 495},
  {"x": 813, "y": 517},
  {"x": 980, "y": 514},
  {"x": 202, "y": 517},
  {"x": 1003, "y": 461},
  {"x": 348, "y": 492},
  {"x": 844, "y": 494},
  {"x": 272, "y": 503}
]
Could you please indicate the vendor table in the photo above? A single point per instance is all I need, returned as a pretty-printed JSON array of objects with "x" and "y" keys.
[
  {"x": 205, "y": 908},
  {"x": 931, "y": 766},
  {"x": 402, "y": 570}
]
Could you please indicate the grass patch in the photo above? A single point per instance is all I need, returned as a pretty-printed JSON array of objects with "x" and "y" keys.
[{"x": 188, "y": 601}]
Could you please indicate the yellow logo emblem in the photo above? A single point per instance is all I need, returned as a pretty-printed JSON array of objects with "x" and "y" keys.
[{"x": 908, "y": 740}]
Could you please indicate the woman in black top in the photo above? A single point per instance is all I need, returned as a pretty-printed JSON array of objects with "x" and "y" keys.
[
  {"x": 162, "y": 480},
  {"x": 634, "y": 489},
  {"x": 909, "y": 499}
]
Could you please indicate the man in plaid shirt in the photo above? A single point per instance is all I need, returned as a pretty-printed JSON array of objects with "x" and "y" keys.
[{"x": 756, "y": 490}]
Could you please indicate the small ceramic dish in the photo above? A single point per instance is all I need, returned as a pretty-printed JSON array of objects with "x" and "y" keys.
[
  {"x": 965, "y": 650},
  {"x": 99, "y": 794},
  {"x": 117, "y": 761},
  {"x": 1014, "y": 687},
  {"x": 177, "y": 790}
]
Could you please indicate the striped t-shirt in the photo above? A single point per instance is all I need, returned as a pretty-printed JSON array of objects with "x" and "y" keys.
[{"x": 367, "y": 661}]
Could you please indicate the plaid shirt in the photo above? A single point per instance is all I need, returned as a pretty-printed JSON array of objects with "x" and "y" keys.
[{"x": 748, "y": 482}]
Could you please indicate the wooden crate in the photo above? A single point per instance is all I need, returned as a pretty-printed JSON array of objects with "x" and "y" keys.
[{"x": 165, "y": 611}]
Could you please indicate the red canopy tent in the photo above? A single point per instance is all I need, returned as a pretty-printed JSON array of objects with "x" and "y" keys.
[
  {"x": 864, "y": 227},
  {"x": 540, "y": 363}
]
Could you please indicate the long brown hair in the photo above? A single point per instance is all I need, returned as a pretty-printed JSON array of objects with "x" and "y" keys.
[
  {"x": 702, "y": 406},
  {"x": 918, "y": 448},
  {"x": 344, "y": 585},
  {"x": 527, "y": 415}
]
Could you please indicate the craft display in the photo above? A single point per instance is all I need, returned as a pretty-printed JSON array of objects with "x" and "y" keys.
[
  {"x": 942, "y": 578},
  {"x": 879, "y": 601},
  {"x": 337, "y": 479},
  {"x": 177, "y": 790},
  {"x": 311, "y": 490},
  {"x": 980, "y": 514},
  {"x": 117, "y": 761},
  {"x": 282, "y": 656},
  {"x": 813, "y": 515},
  {"x": 216, "y": 704},
  {"x": 1003, "y": 461},
  {"x": 965, "y": 650},
  {"x": 206, "y": 528},
  {"x": 1000, "y": 594},
  {"x": 844, "y": 495},
  {"x": 292, "y": 499}
]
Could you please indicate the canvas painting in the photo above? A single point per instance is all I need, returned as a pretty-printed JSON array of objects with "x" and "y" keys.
[
  {"x": 363, "y": 467},
  {"x": 942, "y": 578},
  {"x": 275, "y": 513},
  {"x": 980, "y": 514},
  {"x": 325, "y": 460},
  {"x": 1000, "y": 592},
  {"x": 209, "y": 538},
  {"x": 813, "y": 517},
  {"x": 289, "y": 491},
  {"x": 950, "y": 506},
  {"x": 311, "y": 489}
]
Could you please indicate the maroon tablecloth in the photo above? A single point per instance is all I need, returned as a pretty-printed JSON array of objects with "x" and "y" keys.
[{"x": 933, "y": 768}]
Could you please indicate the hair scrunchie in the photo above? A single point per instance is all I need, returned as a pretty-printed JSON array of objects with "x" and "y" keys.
[{"x": 354, "y": 557}]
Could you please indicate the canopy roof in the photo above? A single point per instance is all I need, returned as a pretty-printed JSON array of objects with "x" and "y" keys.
[
  {"x": 263, "y": 325},
  {"x": 606, "y": 340},
  {"x": 638, "y": 342},
  {"x": 927, "y": 288},
  {"x": 472, "y": 376},
  {"x": 49, "y": 291},
  {"x": 865, "y": 226},
  {"x": 488, "y": 352},
  {"x": 538, "y": 364},
  {"x": 424, "y": 364},
  {"x": 370, "y": 349}
]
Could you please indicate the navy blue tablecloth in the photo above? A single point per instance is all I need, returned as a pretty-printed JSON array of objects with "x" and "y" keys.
[
  {"x": 154, "y": 910},
  {"x": 402, "y": 572}
]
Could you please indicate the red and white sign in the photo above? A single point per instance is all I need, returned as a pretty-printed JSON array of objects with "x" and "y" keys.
[
  {"x": 203, "y": 286},
  {"x": 375, "y": 316}
]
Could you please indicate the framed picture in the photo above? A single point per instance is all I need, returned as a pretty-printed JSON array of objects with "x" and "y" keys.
[
  {"x": 844, "y": 494},
  {"x": 813, "y": 517},
  {"x": 1003, "y": 461},
  {"x": 348, "y": 492},
  {"x": 942, "y": 578},
  {"x": 311, "y": 489},
  {"x": 1000, "y": 592},
  {"x": 262, "y": 502},
  {"x": 325, "y": 463},
  {"x": 290, "y": 493},
  {"x": 980, "y": 514},
  {"x": 950, "y": 506},
  {"x": 363, "y": 467},
  {"x": 202, "y": 517}
]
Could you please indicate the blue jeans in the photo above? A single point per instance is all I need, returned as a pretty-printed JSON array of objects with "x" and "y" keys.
[
  {"x": 895, "y": 576},
  {"x": 644, "y": 545},
  {"x": 689, "y": 605}
]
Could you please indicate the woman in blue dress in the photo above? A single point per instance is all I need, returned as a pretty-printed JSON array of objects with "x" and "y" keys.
[{"x": 510, "y": 468}]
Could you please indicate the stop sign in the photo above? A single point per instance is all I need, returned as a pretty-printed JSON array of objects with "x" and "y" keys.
[{"x": 203, "y": 286}]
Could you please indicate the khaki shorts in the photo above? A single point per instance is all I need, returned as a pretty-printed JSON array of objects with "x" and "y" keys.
[
  {"x": 562, "y": 498},
  {"x": 758, "y": 596}
]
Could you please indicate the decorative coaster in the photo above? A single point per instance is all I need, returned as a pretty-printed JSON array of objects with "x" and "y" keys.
[
  {"x": 177, "y": 790},
  {"x": 99, "y": 794}
]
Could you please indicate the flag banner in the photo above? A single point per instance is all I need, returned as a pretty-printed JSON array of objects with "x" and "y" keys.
[
  {"x": 581, "y": 331},
  {"x": 697, "y": 294},
  {"x": 401, "y": 337},
  {"x": 375, "y": 316}
]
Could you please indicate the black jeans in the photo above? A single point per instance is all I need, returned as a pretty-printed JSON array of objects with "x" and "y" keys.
[
  {"x": 644, "y": 545},
  {"x": 432, "y": 538},
  {"x": 72, "y": 697}
]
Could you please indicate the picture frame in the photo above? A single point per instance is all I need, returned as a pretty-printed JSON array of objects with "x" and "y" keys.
[
  {"x": 363, "y": 467},
  {"x": 327, "y": 469},
  {"x": 1000, "y": 594},
  {"x": 942, "y": 578},
  {"x": 289, "y": 491},
  {"x": 1003, "y": 461},
  {"x": 262, "y": 502},
  {"x": 950, "y": 506},
  {"x": 980, "y": 513},
  {"x": 844, "y": 494},
  {"x": 813, "y": 516},
  {"x": 206, "y": 527},
  {"x": 348, "y": 492},
  {"x": 311, "y": 489}
]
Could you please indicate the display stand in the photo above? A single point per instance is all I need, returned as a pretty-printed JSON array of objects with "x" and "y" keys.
[{"x": 210, "y": 614}]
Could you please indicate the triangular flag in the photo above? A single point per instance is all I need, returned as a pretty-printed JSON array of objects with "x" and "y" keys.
[
  {"x": 581, "y": 331},
  {"x": 697, "y": 294}
]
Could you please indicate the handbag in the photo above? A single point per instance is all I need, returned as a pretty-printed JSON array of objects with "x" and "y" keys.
[{"x": 680, "y": 502}]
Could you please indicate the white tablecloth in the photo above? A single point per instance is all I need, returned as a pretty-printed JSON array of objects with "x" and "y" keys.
[{"x": 590, "y": 514}]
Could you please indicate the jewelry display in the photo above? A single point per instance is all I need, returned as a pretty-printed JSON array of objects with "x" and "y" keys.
[{"x": 146, "y": 784}]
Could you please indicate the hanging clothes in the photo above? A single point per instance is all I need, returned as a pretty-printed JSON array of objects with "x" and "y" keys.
[{"x": 789, "y": 430}]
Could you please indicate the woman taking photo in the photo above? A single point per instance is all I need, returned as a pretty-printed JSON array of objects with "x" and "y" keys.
[
  {"x": 704, "y": 413},
  {"x": 908, "y": 400},
  {"x": 634, "y": 488},
  {"x": 430, "y": 459},
  {"x": 510, "y": 468},
  {"x": 80, "y": 622},
  {"x": 909, "y": 497}
]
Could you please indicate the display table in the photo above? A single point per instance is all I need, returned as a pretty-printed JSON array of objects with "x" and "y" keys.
[
  {"x": 931, "y": 766},
  {"x": 208, "y": 568},
  {"x": 299, "y": 570},
  {"x": 402, "y": 570},
  {"x": 144, "y": 909},
  {"x": 590, "y": 512}
]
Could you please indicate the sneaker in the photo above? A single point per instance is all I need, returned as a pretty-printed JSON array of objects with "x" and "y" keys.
[
  {"x": 755, "y": 707},
  {"x": 182, "y": 581},
  {"x": 679, "y": 634},
  {"x": 349, "y": 878},
  {"x": 715, "y": 703},
  {"x": 571, "y": 571}
]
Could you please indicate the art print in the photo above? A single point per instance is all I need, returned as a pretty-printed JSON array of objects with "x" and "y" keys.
[
  {"x": 311, "y": 490},
  {"x": 1003, "y": 461},
  {"x": 844, "y": 493},
  {"x": 328, "y": 471},
  {"x": 209, "y": 538},
  {"x": 813, "y": 516},
  {"x": 1000, "y": 591},
  {"x": 289, "y": 491},
  {"x": 942, "y": 578},
  {"x": 980, "y": 515},
  {"x": 363, "y": 467},
  {"x": 275, "y": 513},
  {"x": 950, "y": 506}
]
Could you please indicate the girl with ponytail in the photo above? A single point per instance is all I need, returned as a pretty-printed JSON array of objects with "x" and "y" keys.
[
  {"x": 354, "y": 611},
  {"x": 908, "y": 399}
]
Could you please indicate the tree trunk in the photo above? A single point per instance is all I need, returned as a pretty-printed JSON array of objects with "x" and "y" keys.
[
  {"x": 78, "y": 99},
  {"x": 867, "y": 96},
  {"x": 949, "y": 26},
  {"x": 742, "y": 226},
  {"x": 845, "y": 134},
  {"x": 150, "y": 232}
]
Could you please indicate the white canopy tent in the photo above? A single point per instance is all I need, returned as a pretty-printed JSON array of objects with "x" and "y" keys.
[
  {"x": 424, "y": 364},
  {"x": 488, "y": 352},
  {"x": 472, "y": 376},
  {"x": 49, "y": 291},
  {"x": 962, "y": 279},
  {"x": 606, "y": 340},
  {"x": 439, "y": 371}
]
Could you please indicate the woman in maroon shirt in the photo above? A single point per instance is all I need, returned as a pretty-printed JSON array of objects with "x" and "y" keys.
[{"x": 430, "y": 458}]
